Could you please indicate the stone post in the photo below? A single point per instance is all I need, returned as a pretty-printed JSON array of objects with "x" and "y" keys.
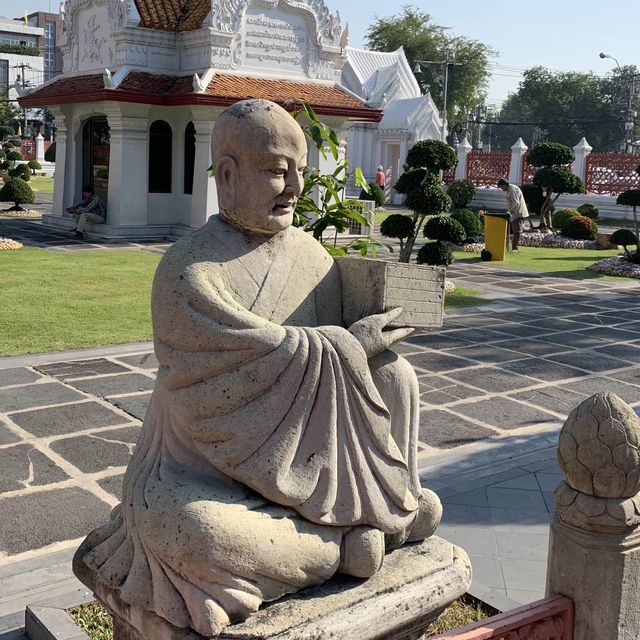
[
  {"x": 579, "y": 167},
  {"x": 40, "y": 148},
  {"x": 594, "y": 549},
  {"x": 204, "y": 200},
  {"x": 463, "y": 149},
  {"x": 518, "y": 151},
  {"x": 62, "y": 176}
]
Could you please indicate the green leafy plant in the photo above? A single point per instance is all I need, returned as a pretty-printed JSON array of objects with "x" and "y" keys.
[
  {"x": 421, "y": 185},
  {"x": 553, "y": 178},
  {"x": 435, "y": 253},
  {"x": 461, "y": 192},
  {"x": 50, "y": 153},
  {"x": 589, "y": 210},
  {"x": 471, "y": 222},
  {"x": 444, "y": 229},
  {"x": 533, "y": 196},
  {"x": 375, "y": 193},
  {"x": 580, "y": 228},
  {"x": 625, "y": 238},
  {"x": 560, "y": 217},
  {"x": 397, "y": 226},
  {"x": 19, "y": 49},
  {"x": 34, "y": 165},
  {"x": 18, "y": 192},
  {"x": 21, "y": 171},
  {"x": 13, "y": 156}
]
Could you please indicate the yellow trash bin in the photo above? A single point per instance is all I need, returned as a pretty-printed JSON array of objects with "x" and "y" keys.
[{"x": 495, "y": 234}]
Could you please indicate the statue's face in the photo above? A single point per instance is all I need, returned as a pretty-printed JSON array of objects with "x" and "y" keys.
[{"x": 268, "y": 179}]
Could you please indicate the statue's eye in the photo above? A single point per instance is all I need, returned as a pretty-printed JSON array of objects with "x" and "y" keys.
[{"x": 279, "y": 171}]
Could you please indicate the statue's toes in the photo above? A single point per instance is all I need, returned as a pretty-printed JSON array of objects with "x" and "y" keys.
[
  {"x": 361, "y": 552},
  {"x": 428, "y": 518}
]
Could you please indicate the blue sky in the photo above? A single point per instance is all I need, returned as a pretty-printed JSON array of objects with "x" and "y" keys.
[{"x": 557, "y": 34}]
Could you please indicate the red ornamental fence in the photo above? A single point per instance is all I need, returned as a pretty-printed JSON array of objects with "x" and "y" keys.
[
  {"x": 484, "y": 169},
  {"x": 449, "y": 175},
  {"x": 611, "y": 173},
  {"x": 549, "y": 619},
  {"x": 28, "y": 149}
]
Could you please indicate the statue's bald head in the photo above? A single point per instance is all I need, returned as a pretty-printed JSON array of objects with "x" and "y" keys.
[{"x": 258, "y": 149}]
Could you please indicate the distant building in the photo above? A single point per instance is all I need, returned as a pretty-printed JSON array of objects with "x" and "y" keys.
[
  {"x": 20, "y": 58},
  {"x": 49, "y": 44}
]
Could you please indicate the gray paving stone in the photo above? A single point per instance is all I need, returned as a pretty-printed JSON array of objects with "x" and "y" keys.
[
  {"x": 22, "y": 466},
  {"x": 523, "y": 575},
  {"x": 524, "y": 596},
  {"x": 476, "y": 541},
  {"x": 519, "y": 520},
  {"x": 477, "y": 335},
  {"x": 113, "y": 485},
  {"x": 523, "y": 546},
  {"x": 591, "y": 319},
  {"x": 18, "y": 375},
  {"x": 462, "y": 516},
  {"x": 36, "y": 395},
  {"x": 554, "y": 324},
  {"x": 505, "y": 413},
  {"x": 98, "y": 451},
  {"x": 558, "y": 399},
  {"x": 435, "y": 341},
  {"x": 486, "y": 353},
  {"x": 575, "y": 339},
  {"x": 142, "y": 360},
  {"x": 616, "y": 383},
  {"x": 624, "y": 352},
  {"x": 630, "y": 376},
  {"x": 488, "y": 571},
  {"x": 81, "y": 368},
  {"x": 492, "y": 379},
  {"x": 67, "y": 419},
  {"x": 533, "y": 347},
  {"x": 6, "y": 435},
  {"x": 610, "y": 334},
  {"x": 439, "y": 362},
  {"x": 548, "y": 481},
  {"x": 500, "y": 498},
  {"x": 543, "y": 370},
  {"x": 474, "y": 498},
  {"x": 448, "y": 394},
  {"x": 114, "y": 385},
  {"x": 38, "y": 519},
  {"x": 589, "y": 362},
  {"x": 527, "y": 482},
  {"x": 444, "y": 430},
  {"x": 134, "y": 405},
  {"x": 516, "y": 330}
]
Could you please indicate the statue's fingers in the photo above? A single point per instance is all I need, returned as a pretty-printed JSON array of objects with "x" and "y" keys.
[
  {"x": 397, "y": 335},
  {"x": 391, "y": 315}
]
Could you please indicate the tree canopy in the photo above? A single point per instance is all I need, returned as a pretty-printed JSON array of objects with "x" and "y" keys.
[
  {"x": 423, "y": 39},
  {"x": 564, "y": 107}
]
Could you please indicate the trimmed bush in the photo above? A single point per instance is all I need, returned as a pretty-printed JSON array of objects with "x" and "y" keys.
[
  {"x": 34, "y": 165},
  {"x": 10, "y": 144},
  {"x": 533, "y": 196},
  {"x": 589, "y": 210},
  {"x": 470, "y": 221},
  {"x": 434, "y": 154},
  {"x": 21, "y": 171},
  {"x": 428, "y": 199},
  {"x": 13, "y": 156},
  {"x": 485, "y": 255},
  {"x": 50, "y": 153},
  {"x": 409, "y": 180},
  {"x": 548, "y": 154},
  {"x": 623, "y": 238},
  {"x": 18, "y": 192},
  {"x": 397, "y": 226},
  {"x": 461, "y": 192},
  {"x": 444, "y": 228},
  {"x": 435, "y": 253},
  {"x": 376, "y": 193},
  {"x": 580, "y": 228},
  {"x": 560, "y": 217}
]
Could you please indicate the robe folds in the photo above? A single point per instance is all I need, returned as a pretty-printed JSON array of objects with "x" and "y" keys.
[{"x": 266, "y": 438}]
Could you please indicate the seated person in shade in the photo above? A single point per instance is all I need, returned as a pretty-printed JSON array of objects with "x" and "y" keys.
[{"x": 89, "y": 209}]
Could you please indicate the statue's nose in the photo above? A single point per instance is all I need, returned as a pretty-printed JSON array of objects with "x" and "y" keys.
[{"x": 294, "y": 183}]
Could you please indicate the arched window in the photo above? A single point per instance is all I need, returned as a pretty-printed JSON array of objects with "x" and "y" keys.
[
  {"x": 160, "y": 157},
  {"x": 189, "y": 156}
]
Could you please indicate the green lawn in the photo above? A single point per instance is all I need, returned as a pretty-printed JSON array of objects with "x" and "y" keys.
[
  {"x": 464, "y": 297},
  {"x": 53, "y": 301},
  {"x": 563, "y": 263},
  {"x": 44, "y": 184}
]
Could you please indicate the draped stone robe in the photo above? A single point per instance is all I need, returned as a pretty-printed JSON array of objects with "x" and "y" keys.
[{"x": 268, "y": 436}]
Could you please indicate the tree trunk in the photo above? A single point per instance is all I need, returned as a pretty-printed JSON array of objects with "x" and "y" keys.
[
  {"x": 635, "y": 225},
  {"x": 405, "y": 252}
]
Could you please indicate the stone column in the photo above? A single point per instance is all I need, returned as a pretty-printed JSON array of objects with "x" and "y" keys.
[
  {"x": 594, "y": 549},
  {"x": 204, "y": 198},
  {"x": 128, "y": 168},
  {"x": 40, "y": 148},
  {"x": 518, "y": 151},
  {"x": 463, "y": 149},
  {"x": 60, "y": 198},
  {"x": 579, "y": 167}
]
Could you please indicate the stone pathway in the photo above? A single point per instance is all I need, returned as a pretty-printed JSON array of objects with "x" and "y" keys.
[{"x": 495, "y": 388}]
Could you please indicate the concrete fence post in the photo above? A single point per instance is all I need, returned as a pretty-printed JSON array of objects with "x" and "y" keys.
[
  {"x": 463, "y": 148},
  {"x": 594, "y": 548},
  {"x": 518, "y": 151},
  {"x": 40, "y": 148},
  {"x": 579, "y": 167}
]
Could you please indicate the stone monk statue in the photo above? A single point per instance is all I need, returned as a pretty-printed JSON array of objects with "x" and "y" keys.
[{"x": 279, "y": 447}]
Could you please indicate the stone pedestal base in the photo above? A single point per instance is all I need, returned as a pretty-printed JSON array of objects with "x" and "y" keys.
[{"x": 415, "y": 584}]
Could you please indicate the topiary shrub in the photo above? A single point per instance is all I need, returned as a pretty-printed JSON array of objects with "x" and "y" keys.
[
  {"x": 580, "y": 228},
  {"x": 21, "y": 171},
  {"x": 18, "y": 192},
  {"x": 432, "y": 154},
  {"x": 470, "y": 221},
  {"x": 34, "y": 165},
  {"x": 50, "y": 153},
  {"x": 560, "y": 217},
  {"x": 533, "y": 196},
  {"x": 428, "y": 198},
  {"x": 589, "y": 210},
  {"x": 444, "y": 228},
  {"x": 461, "y": 192},
  {"x": 625, "y": 238},
  {"x": 376, "y": 193},
  {"x": 13, "y": 156},
  {"x": 397, "y": 226},
  {"x": 435, "y": 253},
  {"x": 10, "y": 144},
  {"x": 409, "y": 180},
  {"x": 547, "y": 154}
]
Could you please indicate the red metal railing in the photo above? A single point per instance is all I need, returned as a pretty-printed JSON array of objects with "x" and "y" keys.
[
  {"x": 528, "y": 170},
  {"x": 449, "y": 175},
  {"x": 484, "y": 169},
  {"x": 548, "y": 619},
  {"x": 28, "y": 149},
  {"x": 611, "y": 173}
]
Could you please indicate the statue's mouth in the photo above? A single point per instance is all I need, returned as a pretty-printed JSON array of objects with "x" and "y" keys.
[{"x": 284, "y": 209}]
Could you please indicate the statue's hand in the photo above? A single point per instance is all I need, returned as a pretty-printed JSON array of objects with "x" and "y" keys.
[{"x": 371, "y": 335}]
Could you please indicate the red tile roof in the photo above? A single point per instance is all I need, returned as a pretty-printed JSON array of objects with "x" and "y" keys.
[
  {"x": 172, "y": 15},
  {"x": 223, "y": 90}
]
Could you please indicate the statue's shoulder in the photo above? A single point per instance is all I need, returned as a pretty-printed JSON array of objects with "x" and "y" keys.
[{"x": 309, "y": 246}]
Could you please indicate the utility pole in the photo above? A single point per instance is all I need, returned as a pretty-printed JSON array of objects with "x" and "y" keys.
[
  {"x": 22, "y": 66},
  {"x": 630, "y": 121}
]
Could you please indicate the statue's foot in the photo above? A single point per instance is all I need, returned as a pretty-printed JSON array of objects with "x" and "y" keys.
[
  {"x": 361, "y": 552},
  {"x": 428, "y": 518}
]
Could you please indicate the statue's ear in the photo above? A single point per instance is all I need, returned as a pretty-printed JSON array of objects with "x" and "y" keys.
[{"x": 226, "y": 172}]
